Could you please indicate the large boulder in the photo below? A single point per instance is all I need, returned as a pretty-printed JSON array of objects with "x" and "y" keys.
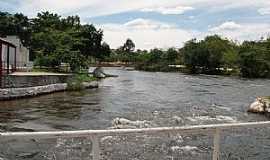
[
  {"x": 99, "y": 73},
  {"x": 261, "y": 105}
]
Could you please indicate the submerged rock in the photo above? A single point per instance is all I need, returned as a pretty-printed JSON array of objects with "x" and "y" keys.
[
  {"x": 210, "y": 119},
  {"x": 185, "y": 149},
  {"x": 177, "y": 120},
  {"x": 261, "y": 105},
  {"x": 122, "y": 123}
]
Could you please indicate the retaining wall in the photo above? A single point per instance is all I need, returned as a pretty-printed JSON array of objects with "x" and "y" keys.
[
  {"x": 22, "y": 81},
  {"x": 15, "y": 93}
]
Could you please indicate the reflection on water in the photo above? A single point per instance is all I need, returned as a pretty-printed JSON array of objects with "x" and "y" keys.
[{"x": 155, "y": 97}]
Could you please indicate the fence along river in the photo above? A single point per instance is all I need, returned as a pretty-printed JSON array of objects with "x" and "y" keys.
[{"x": 146, "y": 100}]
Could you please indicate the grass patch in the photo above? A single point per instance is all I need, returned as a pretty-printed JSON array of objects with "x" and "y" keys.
[
  {"x": 41, "y": 70},
  {"x": 76, "y": 83}
]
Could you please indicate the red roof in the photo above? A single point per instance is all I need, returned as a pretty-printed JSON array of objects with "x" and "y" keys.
[{"x": 7, "y": 43}]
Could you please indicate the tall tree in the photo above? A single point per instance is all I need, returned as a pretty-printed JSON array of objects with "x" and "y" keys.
[
  {"x": 255, "y": 59},
  {"x": 104, "y": 52},
  {"x": 16, "y": 24},
  {"x": 129, "y": 46}
]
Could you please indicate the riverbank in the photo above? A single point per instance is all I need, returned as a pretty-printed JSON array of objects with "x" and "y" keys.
[
  {"x": 21, "y": 85},
  {"x": 16, "y": 93},
  {"x": 186, "y": 70}
]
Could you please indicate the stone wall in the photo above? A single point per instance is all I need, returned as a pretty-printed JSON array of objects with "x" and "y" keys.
[
  {"x": 20, "y": 81},
  {"x": 15, "y": 93}
]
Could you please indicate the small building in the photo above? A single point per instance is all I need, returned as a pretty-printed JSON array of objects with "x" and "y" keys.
[
  {"x": 22, "y": 56},
  {"x": 7, "y": 57},
  {"x": 13, "y": 55}
]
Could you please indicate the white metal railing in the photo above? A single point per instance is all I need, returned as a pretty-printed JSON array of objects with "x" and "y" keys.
[{"x": 95, "y": 135}]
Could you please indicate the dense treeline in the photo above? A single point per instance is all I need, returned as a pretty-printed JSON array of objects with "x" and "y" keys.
[
  {"x": 212, "y": 55},
  {"x": 53, "y": 39},
  {"x": 217, "y": 55}
]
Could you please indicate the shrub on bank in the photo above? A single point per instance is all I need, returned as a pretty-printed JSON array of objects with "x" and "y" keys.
[{"x": 76, "y": 83}]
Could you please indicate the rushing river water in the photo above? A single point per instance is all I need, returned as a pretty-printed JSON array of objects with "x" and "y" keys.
[{"x": 160, "y": 99}]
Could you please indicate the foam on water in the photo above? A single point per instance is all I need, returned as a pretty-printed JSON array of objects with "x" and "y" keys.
[{"x": 208, "y": 118}]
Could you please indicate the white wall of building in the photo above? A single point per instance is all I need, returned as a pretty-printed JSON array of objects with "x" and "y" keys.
[
  {"x": 4, "y": 55},
  {"x": 22, "y": 53}
]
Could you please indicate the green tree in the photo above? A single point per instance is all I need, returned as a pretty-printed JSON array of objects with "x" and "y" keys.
[
  {"x": 255, "y": 59},
  {"x": 104, "y": 52},
  {"x": 195, "y": 55},
  {"x": 208, "y": 55},
  {"x": 155, "y": 56},
  {"x": 16, "y": 24},
  {"x": 171, "y": 56},
  {"x": 129, "y": 46},
  {"x": 90, "y": 40}
]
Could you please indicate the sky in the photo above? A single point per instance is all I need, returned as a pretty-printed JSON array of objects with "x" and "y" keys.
[{"x": 159, "y": 23}]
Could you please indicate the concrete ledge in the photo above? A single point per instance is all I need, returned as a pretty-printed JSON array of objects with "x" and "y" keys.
[
  {"x": 15, "y": 93},
  {"x": 31, "y": 80}
]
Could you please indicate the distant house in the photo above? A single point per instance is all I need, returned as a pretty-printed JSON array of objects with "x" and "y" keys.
[{"x": 13, "y": 55}]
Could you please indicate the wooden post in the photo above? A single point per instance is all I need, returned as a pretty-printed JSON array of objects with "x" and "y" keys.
[
  {"x": 15, "y": 59},
  {"x": 216, "y": 144},
  {"x": 95, "y": 148},
  {"x": 1, "y": 66},
  {"x": 7, "y": 59}
]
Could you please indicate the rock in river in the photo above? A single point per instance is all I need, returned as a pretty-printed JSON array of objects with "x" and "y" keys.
[
  {"x": 261, "y": 105},
  {"x": 99, "y": 73},
  {"x": 122, "y": 123}
]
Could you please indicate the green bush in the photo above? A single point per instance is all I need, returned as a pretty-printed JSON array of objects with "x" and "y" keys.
[
  {"x": 46, "y": 61},
  {"x": 76, "y": 83}
]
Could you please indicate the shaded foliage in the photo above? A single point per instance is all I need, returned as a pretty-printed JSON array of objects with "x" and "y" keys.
[
  {"x": 209, "y": 55},
  {"x": 255, "y": 59},
  {"x": 53, "y": 39},
  {"x": 16, "y": 24},
  {"x": 212, "y": 55}
]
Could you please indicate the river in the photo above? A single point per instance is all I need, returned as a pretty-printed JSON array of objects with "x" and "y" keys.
[{"x": 160, "y": 99}]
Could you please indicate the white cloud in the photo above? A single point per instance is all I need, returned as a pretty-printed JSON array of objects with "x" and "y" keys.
[
  {"x": 264, "y": 11},
  {"x": 169, "y": 10},
  {"x": 147, "y": 24},
  {"x": 92, "y": 8},
  {"x": 241, "y": 32},
  {"x": 230, "y": 25},
  {"x": 146, "y": 34},
  {"x": 86, "y": 8},
  {"x": 32, "y": 7}
]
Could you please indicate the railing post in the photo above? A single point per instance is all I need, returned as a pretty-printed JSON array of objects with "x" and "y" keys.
[
  {"x": 15, "y": 59},
  {"x": 1, "y": 66},
  {"x": 216, "y": 145},
  {"x": 8, "y": 59},
  {"x": 95, "y": 148}
]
